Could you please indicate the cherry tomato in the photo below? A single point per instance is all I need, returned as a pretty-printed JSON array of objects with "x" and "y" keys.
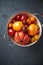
[
  {"x": 23, "y": 17},
  {"x": 11, "y": 32}
]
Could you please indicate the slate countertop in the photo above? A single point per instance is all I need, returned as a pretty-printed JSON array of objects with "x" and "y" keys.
[{"x": 14, "y": 55}]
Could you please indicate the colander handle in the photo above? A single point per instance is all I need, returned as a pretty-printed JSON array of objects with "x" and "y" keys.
[
  {"x": 39, "y": 15},
  {"x": 7, "y": 39}
]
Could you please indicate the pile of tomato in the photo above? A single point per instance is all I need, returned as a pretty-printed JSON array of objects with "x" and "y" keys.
[{"x": 24, "y": 29}]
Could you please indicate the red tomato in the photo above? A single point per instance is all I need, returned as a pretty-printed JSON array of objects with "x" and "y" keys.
[{"x": 11, "y": 32}]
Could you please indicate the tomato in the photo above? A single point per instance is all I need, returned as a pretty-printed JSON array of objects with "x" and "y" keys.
[
  {"x": 18, "y": 25},
  {"x": 11, "y": 32},
  {"x": 26, "y": 39},
  {"x": 16, "y": 37},
  {"x": 10, "y": 25},
  {"x": 21, "y": 35},
  {"x": 32, "y": 29},
  {"x": 23, "y": 17}
]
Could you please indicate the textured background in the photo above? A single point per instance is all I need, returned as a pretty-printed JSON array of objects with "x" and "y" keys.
[{"x": 14, "y": 55}]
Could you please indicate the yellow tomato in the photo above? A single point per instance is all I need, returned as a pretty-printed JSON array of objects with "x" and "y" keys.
[
  {"x": 36, "y": 37},
  {"x": 17, "y": 26},
  {"x": 32, "y": 39},
  {"x": 32, "y": 29}
]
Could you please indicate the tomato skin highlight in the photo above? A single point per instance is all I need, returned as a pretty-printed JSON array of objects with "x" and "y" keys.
[{"x": 21, "y": 35}]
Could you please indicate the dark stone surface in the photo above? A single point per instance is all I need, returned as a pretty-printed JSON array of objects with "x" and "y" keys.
[{"x": 12, "y": 54}]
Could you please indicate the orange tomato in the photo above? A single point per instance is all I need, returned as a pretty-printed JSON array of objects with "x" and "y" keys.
[
  {"x": 32, "y": 39},
  {"x": 36, "y": 37},
  {"x": 33, "y": 18},
  {"x": 29, "y": 21},
  {"x": 10, "y": 25},
  {"x": 32, "y": 29},
  {"x": 17, "y": 26}
]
